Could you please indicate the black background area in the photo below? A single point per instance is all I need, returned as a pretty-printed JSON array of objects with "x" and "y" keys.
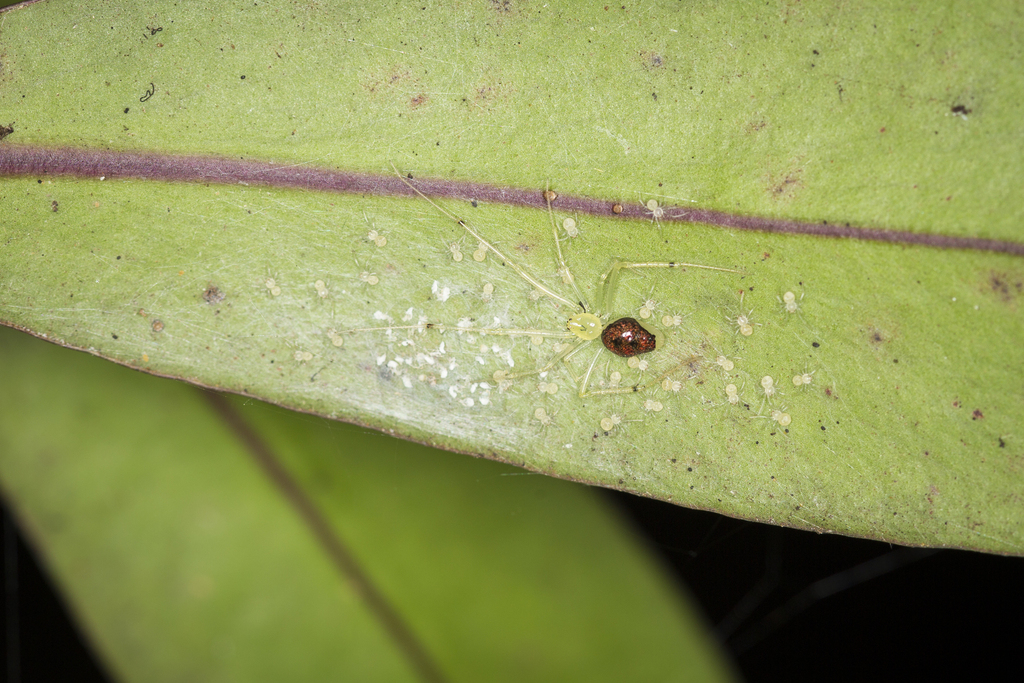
[{"x": 790, "y": 605}]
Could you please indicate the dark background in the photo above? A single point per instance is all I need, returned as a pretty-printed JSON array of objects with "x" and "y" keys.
[{"x": 789, "y": 605}]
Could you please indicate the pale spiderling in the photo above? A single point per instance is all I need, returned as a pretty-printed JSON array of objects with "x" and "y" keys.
[
  {"x": 480, "y": 253},
  {"x": 637, "y": 364},
  {"x": 655, "y": 211},
  {"x": 790, "y": 303},
  {"x": 541, "y": 415},
  {"x": 671, "y": 320},
  {"x": 647, "y": 309},
  {"x": 653, "y": 406},
  {"x": 803, "y": 379},
  {"x": 608, "y": 423},
  {"x": 547, "y": 388},
  {"x": 742, "y": 321},
  {"x": 569, "y": 225},
  {"x": 456, "y": 250}
]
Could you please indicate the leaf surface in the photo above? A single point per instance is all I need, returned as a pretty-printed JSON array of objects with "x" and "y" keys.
[{"x": 884, "y": 116}]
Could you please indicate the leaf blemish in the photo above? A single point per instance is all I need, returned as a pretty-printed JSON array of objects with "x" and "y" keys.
[
  {"x": 960, "y": 110},
  {"x": 784, "y": 184},
  {"x": 1004, "y": 286},
  {"x": 213, "y": 295}
]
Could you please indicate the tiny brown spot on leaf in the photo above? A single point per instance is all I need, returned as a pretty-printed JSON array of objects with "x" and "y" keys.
[
  {"x": 419, "y": 99},
  {"x": 382, "y": 82},
  {"x": 213, "y": 295},
  {"x": 484, "y": 92},
  {"x": 784, "y": 184},
  {"x": 875, "y": 336},
  {"x": 977, "y": 415},
  {"x": 502, "y": 6},
  {"x": 1006, "y": 287},
  {"x": 489, "y": 92},
  {"x": 651, "y": 60}
]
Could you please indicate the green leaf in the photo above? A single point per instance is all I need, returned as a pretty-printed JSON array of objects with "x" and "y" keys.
[
  {"x": 357, "y": 558},
  {"x": 883, "y": 116}
]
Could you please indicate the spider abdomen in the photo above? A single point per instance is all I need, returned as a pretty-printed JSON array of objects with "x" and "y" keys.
[{"x": 626, "y": 337}]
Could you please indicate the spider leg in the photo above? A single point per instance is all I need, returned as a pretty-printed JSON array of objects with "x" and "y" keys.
[
  {"x": 511, "y": 264},
  {"x": 564, "y": 354},
  {"x": 581, "y": 385},
  {"x": 609, "y": 282},
  {"x": 637, "y": 388},
  {"x": 563, "y": 267},
  {"x": 496, "y": 331}
]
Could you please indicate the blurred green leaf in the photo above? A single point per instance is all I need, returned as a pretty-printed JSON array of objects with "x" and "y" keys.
[
  {"x": 883, "y": 115},
  {"x": 184, "y": 561}
]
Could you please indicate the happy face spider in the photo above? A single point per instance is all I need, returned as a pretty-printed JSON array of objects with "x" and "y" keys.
[{"x": 623, "y": 336}]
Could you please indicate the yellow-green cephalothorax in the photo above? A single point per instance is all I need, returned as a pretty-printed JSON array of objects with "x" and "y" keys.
[{"x": 586, "y": 326}]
